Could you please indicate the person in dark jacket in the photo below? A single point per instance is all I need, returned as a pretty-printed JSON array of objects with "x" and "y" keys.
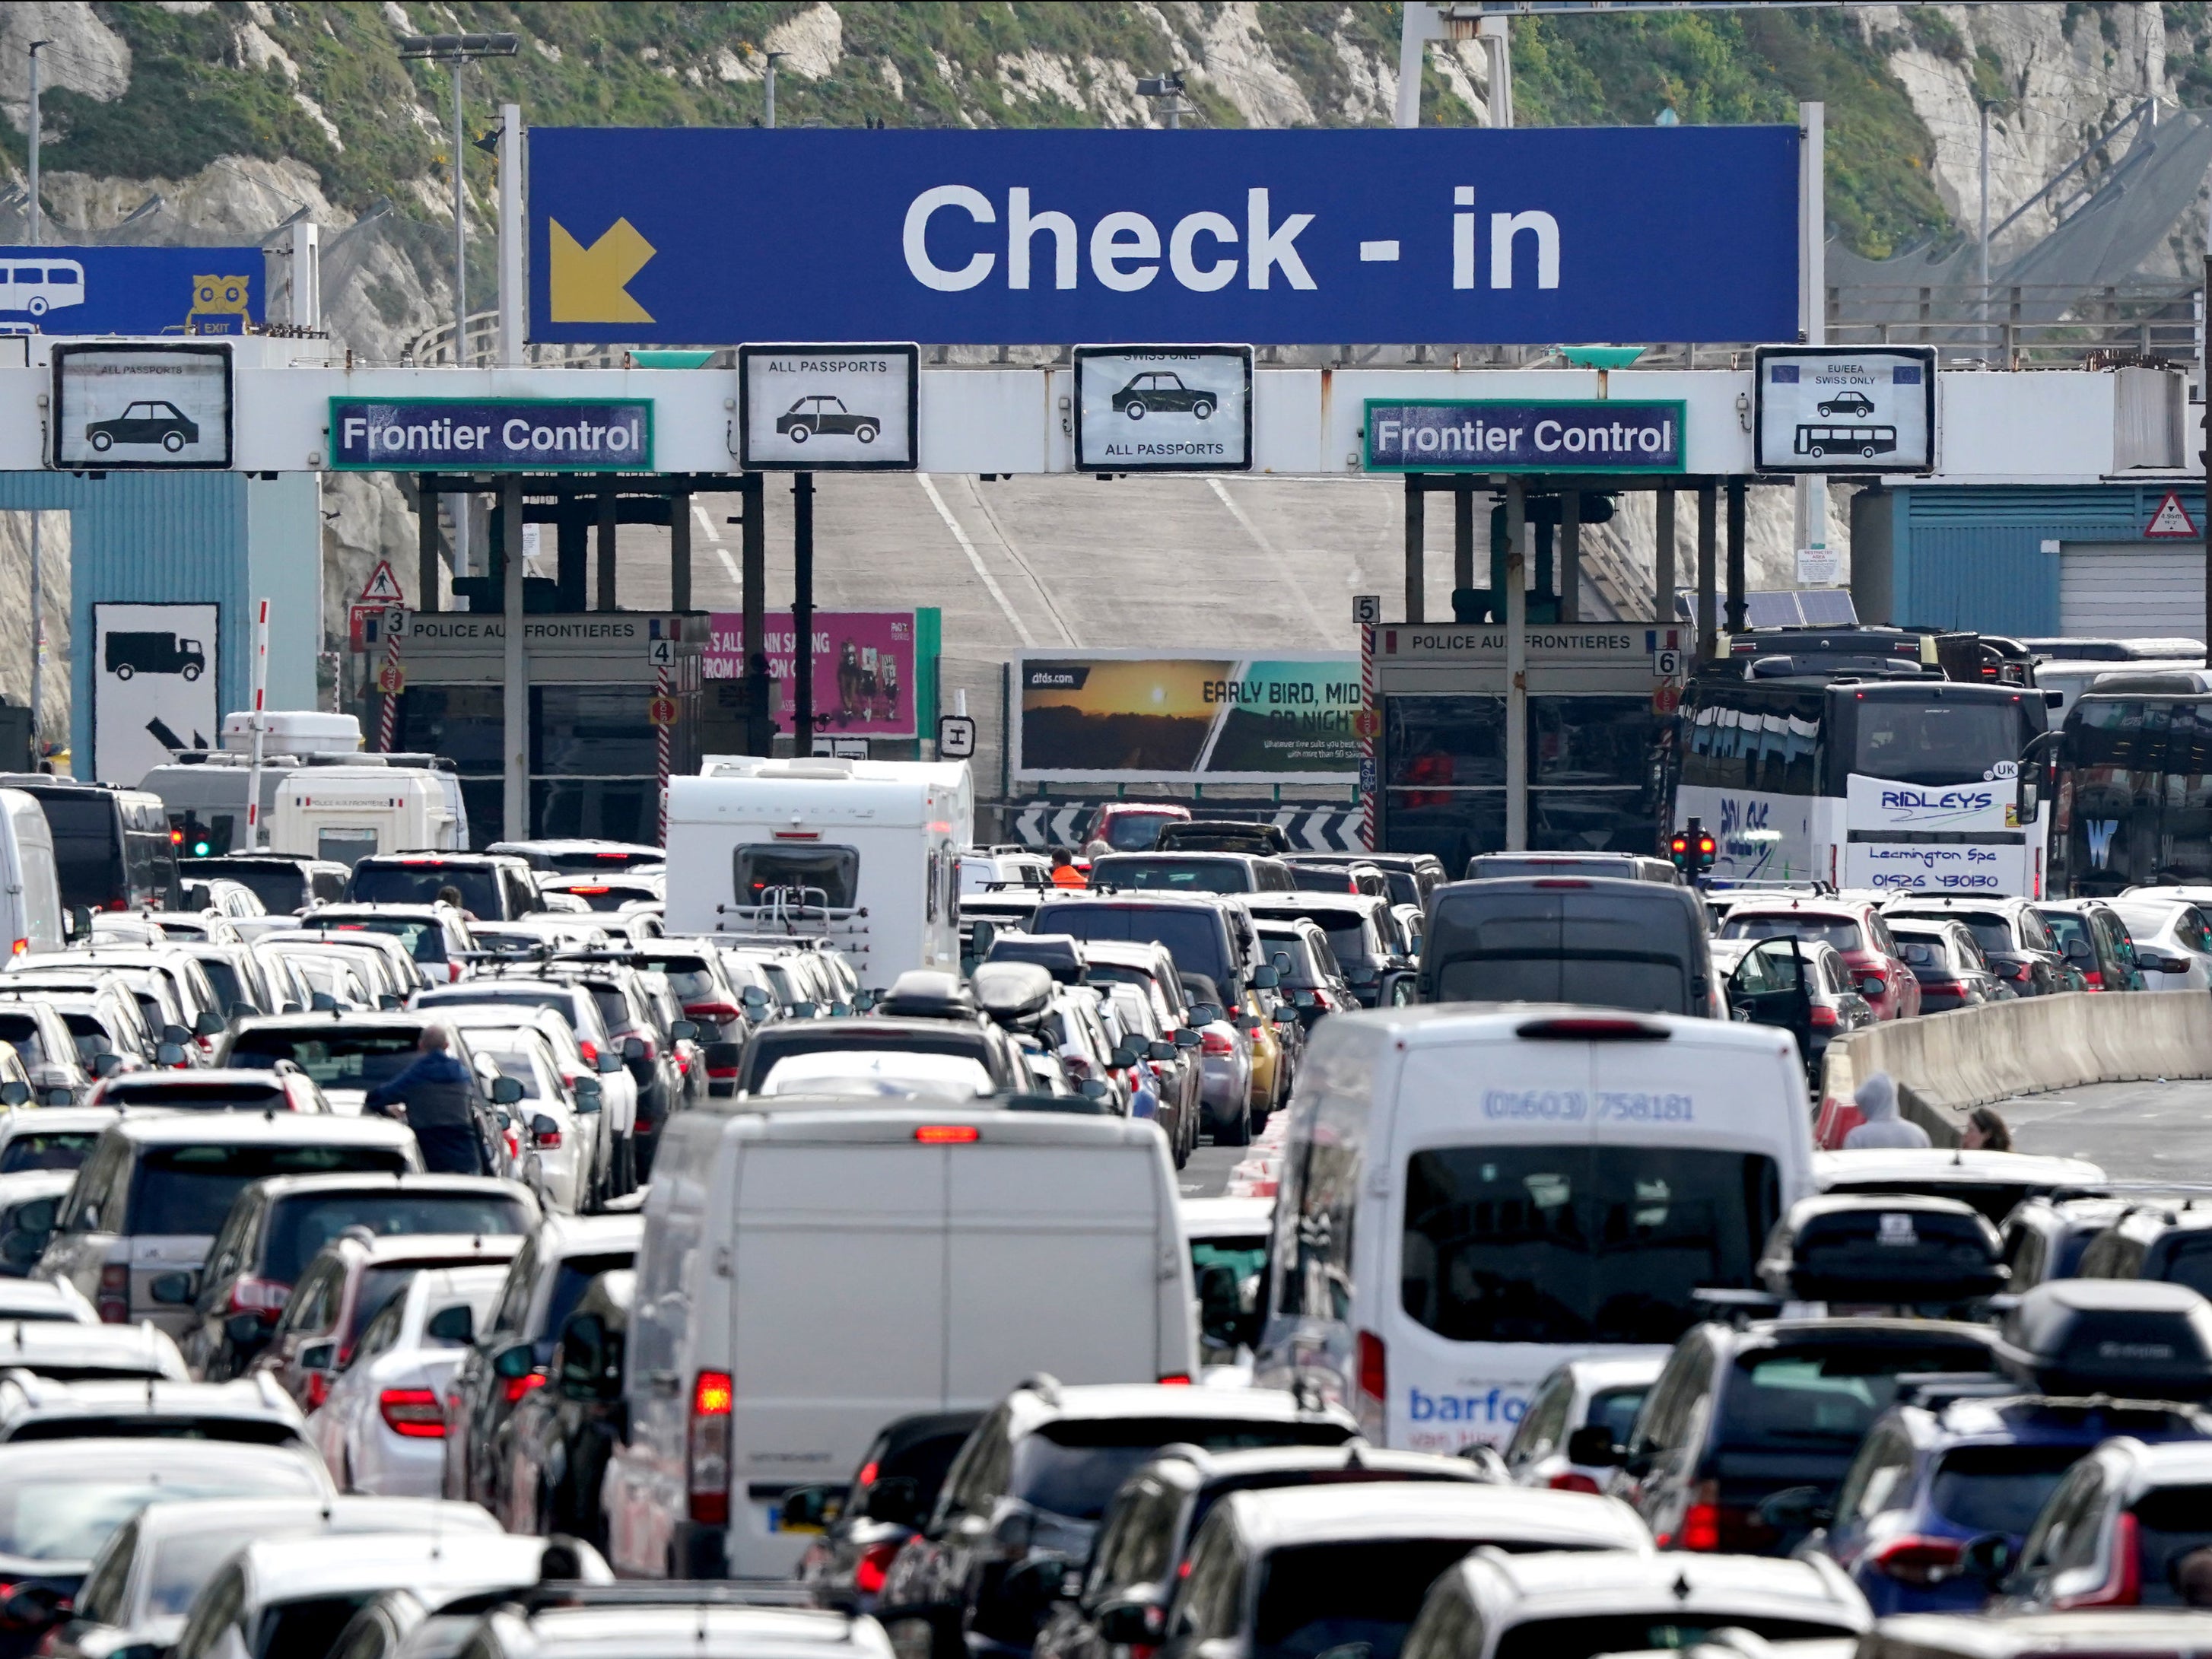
[{"x": 439, "y": 1097}]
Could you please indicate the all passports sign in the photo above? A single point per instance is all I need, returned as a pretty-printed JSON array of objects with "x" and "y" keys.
[{"x": 1159, "y": 409}]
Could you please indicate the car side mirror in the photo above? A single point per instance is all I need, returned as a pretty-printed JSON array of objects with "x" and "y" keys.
[
  {"x": 807, "y": 1509},
  {"x": 106, "y": 1065},
  {"x": 589, "y": 1096},
  {"x": 57, "y": 1096},
  {"x": 1286, "y": 1016},
  {"x": 173, "y": 1290},
  {"x": 1796, "y": 1509},
  {"x": 633, "y": 1049},
  {"x": 1871, "y": 986},
  {"x": 1265, "y": 979},
  {"x": 2027, "y": 796},
  {"x": 176, "y": 1034},
  {"x": 514, "y": 1362},
  {"x": 1037, "y": 1582},
  {"x": 1248, "y": 1021},
  {"x": 610, "y": 1063},
  {"x": 896, "y": 1501},
  {"x": 505, "y": 1091},
  {"x": 753, "y": 997},
  {"x": 241, "y": 1010},
  {"x": 169, "y": 1054},
  {"x": 1186, "y": 1038},
  {"x": 1157, "y": 1049},
  {"x": 1593, "y": 1446},
  {"x": 1093, "y": 1088},
  {"x": 1989, "y": 1558},
  {"x": 1131, "y": 1623},
  {"x": 456, "y": 1325},
  {"x": 388, "y": 1002},
  {"x": 318, "y": 1357},
  {"x": 207, "y": 1024},
  {"x": 35, "y": 1608},
  {"x": 982, "y": 936},
  {"x": 1280, "y": 961},
  {"x": 323, "y": 1003},
  {"x": 2077, "y": 950},
  {"x": 1123, "y": 1057},
  {"x": 15, "y": 1094},
  {"x": 684, "y": 1030},
  {"x": 1221, "y": 1308}
]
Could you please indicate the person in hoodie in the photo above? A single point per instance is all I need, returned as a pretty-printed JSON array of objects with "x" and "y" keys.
[{"x": 1876, "y": 1100}]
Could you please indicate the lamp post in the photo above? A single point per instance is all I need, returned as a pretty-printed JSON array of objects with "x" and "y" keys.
[
  {"x": 1166, "y": 93},
  {"x": 457, "y": 50}
]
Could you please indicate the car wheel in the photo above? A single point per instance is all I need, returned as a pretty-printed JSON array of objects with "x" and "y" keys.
[
  {"x": 1134, "y": 410},
  {"x": 799, "y": 435},
  {"x": 1202, "y": 408},
  {"x": 173, "y": 442},
  {"x": 124, "y": 671},
  {"x": 866, "y": 435},
  {"x": 102, "y": 441}
]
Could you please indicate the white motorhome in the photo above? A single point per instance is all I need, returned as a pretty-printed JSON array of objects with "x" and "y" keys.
[
  {"x": 951, "y": 1250},
  {"x": 349, "y": 812},
  {"x": 865, "y": 854},
  {"x": 30, "y": 882},
  {"x": 1473, "y": 1194},
  {"x": 294, "y": 731}
]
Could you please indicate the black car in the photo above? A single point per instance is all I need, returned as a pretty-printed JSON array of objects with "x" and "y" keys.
[
  {"x": 2046, "y": 1234},
  {"x": 561, "y": 1435},
  {"x": 1164, "y": 391},
  {"x": 1361, "y": 937},
  {"x": 2096, "y": 942},
  {"x": 826, "y": 415},
  {"x": 2012, "y": 933},
  {"x": 890, "y": 1495},
  {"x": 155, "y": 420},
  {"x": 275, "y": 1226},
  {"x": 1741, "y": 1416},
  {"x": 1845, "y": 403},
  {"x": 648, "y": 1048}
]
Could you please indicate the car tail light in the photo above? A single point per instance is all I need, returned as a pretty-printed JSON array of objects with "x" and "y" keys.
[
  {"x": 2123, "y": 1586},
  {"x": 1374, "y": 1367},
  {"x": 515, "y": 1387},
  {"x": 412, "y": 1413},
  {"x": 1216, "y": 1042},
  {"x": 1701, "y": 1527},
  {"x": 590, "y": 1051},
  {"x": 1178, "y": 1379},
  {"x": 707, "y": 1455},
  {"x": 265, "y": 1297},
  {"x": 20, "y": 947},
  {"x": 1571, "y": 1482},
  {"x": 874, "y": 1564},
  {"x": 1916, "y": 1561},
  {"x": 721, "y": 1013},
  {"x": 317, "y": 1388},
  {"x": 1823, "y": 1017},
  {"x": 114, "y": 1297},
  {"x": 453, "y": 973},
  {"x": 2094, "y": 978},
  {"x": 1585, "y": 1028},
  {"x": 947, "y": 1134}
]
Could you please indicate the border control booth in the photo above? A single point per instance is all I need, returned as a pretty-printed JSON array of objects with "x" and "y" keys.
[{"x": 1602, "y": 698}]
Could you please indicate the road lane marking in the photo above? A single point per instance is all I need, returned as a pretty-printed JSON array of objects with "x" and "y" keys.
[{"x": 975, "y": 559}]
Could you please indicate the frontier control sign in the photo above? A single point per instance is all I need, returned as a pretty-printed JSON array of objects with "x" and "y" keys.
[
  {"x": 1601, "y": 436},
  {"x": 492, "y": 435}
]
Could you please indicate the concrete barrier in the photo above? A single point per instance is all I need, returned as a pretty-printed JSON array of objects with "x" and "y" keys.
[{"x": 1946, "y": 1065}]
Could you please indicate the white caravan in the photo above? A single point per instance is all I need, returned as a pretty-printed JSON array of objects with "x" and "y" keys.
[
  {"x": 349, "y": 813},
  {"x": 865, "y": 854},
  {"x": 30, "y": 881}
]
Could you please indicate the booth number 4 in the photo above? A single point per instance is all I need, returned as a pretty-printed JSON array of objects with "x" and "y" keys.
[{"x": 661, "y": 653}]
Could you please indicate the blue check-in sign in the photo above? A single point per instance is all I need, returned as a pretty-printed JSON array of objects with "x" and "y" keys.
[
  {"x": 492, "y": 435},
  {"x": 1470, "y": 435}
]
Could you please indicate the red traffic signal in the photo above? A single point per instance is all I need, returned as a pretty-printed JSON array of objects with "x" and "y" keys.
[{"x": 1693, "y": 850}]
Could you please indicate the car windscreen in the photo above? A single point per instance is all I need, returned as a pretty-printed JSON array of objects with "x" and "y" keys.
[
  {"x": 49, "y": 1519},
  {"x": 1994, "y": 1200},
  {"x": 1339, "y": 1597},
  {"x": 280, "y": 889},
  {"x": 807, "y": 875},
  {"x": 236, "y": 1430},
  {"x": 1578, "y": 1244},
  {"x": 87, "y": 852},
  {"x": 229, "y": 988},
  {"x": 590, "y": 864},
  {"x": 1825, "y": 1398},
  {"x": 187, "y": 1095},
  {"x": 1999, "y": 1488},
  {"x": 425, "y": 940},
  {"x": 417, "y": 882},
  {"x": 1072, "y": 1467},
  {"x": 1657, "y": 983},
  {"x": 1991, "y": 932},
  {"x": 187, "y": 1190},
  {"x": 311, "y": 1625},
  {"x": 334, "y": 1057},
  {"x": 1195, "y": 937},
  {"x": 23, "y": 1031},
  {"x": 1936, "y": 741},
  {"x": 762, "y": 1057},
  {"x": 299, "y": 1226},
  {"x": 1136, "y": 832},
  {"x": 63, "y": 1149},
  {"x": 1591, "y": 1634},
  {"x": 507, "y": 994},
  {"x": 1616, "y": 1409},
  {"x": 2171, "y": 1522},
  {"x": 183, "y": 1562},
  {"x": 1840, "y": 931},
  {"x": 691, "y": 981},
  {"x": 1350, "y": 941},
  {"x": 1322, "y": 879},
  {"x": 1244, "y": 1257},
  {"x": 570, "y": 1281},
  {"x": 1172, "y": 875}
]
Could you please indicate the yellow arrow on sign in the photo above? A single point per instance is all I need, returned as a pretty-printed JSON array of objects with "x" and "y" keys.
[{"x": 588, "y": 283}]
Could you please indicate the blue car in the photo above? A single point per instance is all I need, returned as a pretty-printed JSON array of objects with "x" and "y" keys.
[{"x": 1932, "y": 1477}]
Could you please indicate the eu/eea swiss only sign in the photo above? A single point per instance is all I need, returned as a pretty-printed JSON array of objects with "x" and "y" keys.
[
  {"x": 492, "y": 435},
  {"x": 1600, "y": 435},
  {"x": 680, "y": 236}
]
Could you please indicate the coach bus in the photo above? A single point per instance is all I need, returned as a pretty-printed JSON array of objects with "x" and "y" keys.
[
  {"x": 1891, "y": 778},
  {"x": 2133, "y": 804}
]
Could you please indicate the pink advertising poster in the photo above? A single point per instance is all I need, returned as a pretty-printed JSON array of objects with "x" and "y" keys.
[{"x": 864, "y": 678}]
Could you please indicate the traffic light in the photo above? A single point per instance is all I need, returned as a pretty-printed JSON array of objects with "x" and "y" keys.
[{"x": 1692, "y": 849}]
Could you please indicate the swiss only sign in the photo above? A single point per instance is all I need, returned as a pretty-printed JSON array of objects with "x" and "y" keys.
[
  {"x": 1531, "y": 236},
  {"x": 492, "y": 435},
  {"x": 1602, "y": 436},
  {"x": 1846, "y": 409}
]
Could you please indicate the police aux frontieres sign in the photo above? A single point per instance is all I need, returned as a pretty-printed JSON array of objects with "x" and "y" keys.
[{"x": 676, "y": 236}]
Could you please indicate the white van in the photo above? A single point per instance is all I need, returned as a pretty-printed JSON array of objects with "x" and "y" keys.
[
  {"x": 812, "y": 1269},
  {"x": 1472, "y": 1194},
  {"x": 347, "y": 813},
  {"x": 865, "y": 854},
  {"x": 30, "y": 881}
]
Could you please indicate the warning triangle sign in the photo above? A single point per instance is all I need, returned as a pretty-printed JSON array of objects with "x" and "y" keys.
[
  {"x": 384, "y": 585},
  {"x": 2172, "y": 519}
]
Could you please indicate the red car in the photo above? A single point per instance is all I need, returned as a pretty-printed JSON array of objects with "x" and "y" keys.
[{"x": 1854, "y": 928}]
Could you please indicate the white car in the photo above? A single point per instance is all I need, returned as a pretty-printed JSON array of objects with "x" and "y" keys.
[
  {"x": 549, "y": 1130},
  {"x": 1582, "y": 1393},
  {"x": 51, "y": 1137},
  {"x": 2172, "y": 938},
  {"x": 382, "y": 1428}
]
